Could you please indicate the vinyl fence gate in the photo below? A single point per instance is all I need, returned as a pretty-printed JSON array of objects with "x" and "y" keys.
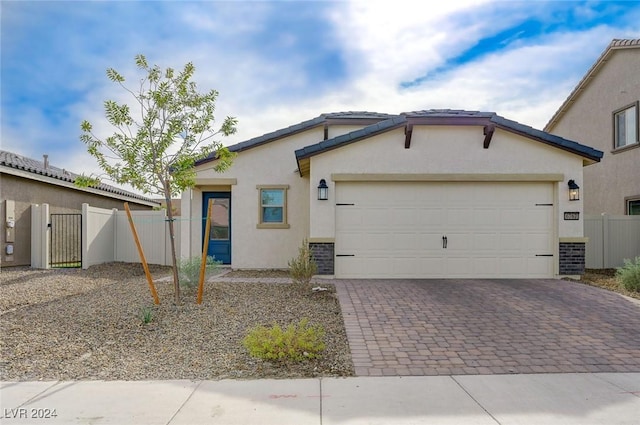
[{"x": 66, "y": 240}]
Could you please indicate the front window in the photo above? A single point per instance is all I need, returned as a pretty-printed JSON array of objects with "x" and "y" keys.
[
  {"x": 633, "y": 207},
  {"x": 625, "y": 126},
  {"x": 273, "y": 207}
]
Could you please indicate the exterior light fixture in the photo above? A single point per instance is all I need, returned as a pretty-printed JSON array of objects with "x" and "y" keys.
[
  {"x": 574, "y": 191},
  {"x": 323, "y": 190}
]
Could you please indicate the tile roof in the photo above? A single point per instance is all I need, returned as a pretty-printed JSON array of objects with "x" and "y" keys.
[
  {"x": 19, "y": 162},
  {"x": 443, "y": 113},
  {"x": 616, "y": 44},
  {"x": 551, "y": 139},
  {"x": 351, "y": 137},
  {"x": 300, "y": 127},
  {"x": 453, "y": 117}
]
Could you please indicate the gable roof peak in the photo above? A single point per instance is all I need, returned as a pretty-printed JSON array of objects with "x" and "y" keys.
[
  {"x": 321, "y": 119},
  {"x": 446, "y": 117},
  {"x": 357, "y": 115},
  {"x": 625, "y": 42},
  {"x": 616, "y": 44},
  {"x": 448, "y": 113}
]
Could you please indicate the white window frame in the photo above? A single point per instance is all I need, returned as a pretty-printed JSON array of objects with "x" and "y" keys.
[
  {"x": 630, "y": 114},
  {"x": 271, "y": 225},
  {"x": 627, "y": 204}
]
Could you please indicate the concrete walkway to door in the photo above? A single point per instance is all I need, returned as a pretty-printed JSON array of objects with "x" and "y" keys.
[{"x": 477, "y": 327}]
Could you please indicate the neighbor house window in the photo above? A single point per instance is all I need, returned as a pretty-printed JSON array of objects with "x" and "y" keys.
[
  {"x": 272, "y": 201},
  {"x": 625, "y": 126},
  {"x": 633, "y": 206}
]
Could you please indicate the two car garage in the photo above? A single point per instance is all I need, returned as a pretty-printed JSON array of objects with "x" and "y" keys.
[{"x": 453, "y": 229}]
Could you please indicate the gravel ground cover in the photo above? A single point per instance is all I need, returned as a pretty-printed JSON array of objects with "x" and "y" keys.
[
  {"x": 273, "y": 273},
  {"x": 606, "y": 278},
  {"x": 88, "y": 324}
]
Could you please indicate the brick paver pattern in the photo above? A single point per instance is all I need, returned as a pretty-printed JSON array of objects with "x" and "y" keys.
[{"x": 457, "y": 327}]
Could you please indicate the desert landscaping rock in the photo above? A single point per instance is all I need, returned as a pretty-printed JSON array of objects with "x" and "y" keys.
[{"x": 75, "y": 324}]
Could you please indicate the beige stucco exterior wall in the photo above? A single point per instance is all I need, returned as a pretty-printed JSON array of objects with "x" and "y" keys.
[
  {"x": 446, "y": 150},
  {"x": 271, "y": 164},
  {"x": 434, "y": 150},
  {"x": 25, "y": 192},
  {"x": 590, "y": 121}
]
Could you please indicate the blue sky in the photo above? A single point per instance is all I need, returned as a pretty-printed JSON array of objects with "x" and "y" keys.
[{"x": 276, "y": 63}]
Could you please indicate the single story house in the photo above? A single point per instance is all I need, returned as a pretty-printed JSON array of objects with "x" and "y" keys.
[
  {"x": 26, "y": 181},
  {"x": 433, "y": 193}
]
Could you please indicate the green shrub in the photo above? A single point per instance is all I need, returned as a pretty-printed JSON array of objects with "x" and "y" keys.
[
  {"x": 297, "y": 342},
  {"x": 189, "y": 270},
  {"x": 629, "y": 275},
  {"x": 303, "y": 267},
  {"x": 146, "y": 315}
]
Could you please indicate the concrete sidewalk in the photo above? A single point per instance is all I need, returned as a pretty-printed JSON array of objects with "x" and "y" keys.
[{"x": 604, "y": 398}]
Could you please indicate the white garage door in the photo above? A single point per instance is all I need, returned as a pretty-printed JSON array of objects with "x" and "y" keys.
[{"x": 450, "y": 230}]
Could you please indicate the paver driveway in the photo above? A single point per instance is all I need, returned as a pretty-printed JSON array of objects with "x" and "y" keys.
[{"x": 451, "y": 327}]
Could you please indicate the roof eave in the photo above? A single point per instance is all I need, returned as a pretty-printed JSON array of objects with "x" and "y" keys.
[
  {"x": 70, "y": 184},
  {"x": 349, "y": 118},
  {"x": 558, "y": 142}
]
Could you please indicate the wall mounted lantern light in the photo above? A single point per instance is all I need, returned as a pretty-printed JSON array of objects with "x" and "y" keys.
[
  {"x": 574, "y": 191},
  {"x": 323, "y": 190}
]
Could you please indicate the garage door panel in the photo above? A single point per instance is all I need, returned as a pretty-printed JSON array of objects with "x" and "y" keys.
[
  {"x": 404, "y": 266},
  {"x": 513, "y": 266},
  {"x": 404, "y": 242},
  {"x": 539, "y": 266},
  {"x": 408, "y": 218},
  {"x": 429, "y": 242},
  {"x": 511, "y": 218},
  {"x": 377, "y": 217},
  {"x": 485, "y": 242},
  {"x": 366, "y": 243},
  {"x": 431, "y": 217},
  {"x": 354, "y": 267},
  {"x": 485, "y": 266},
  {"x": 492, "y": 229},
  {"x": 348, "y": 218},
  {"x": 458, "y": 218},
  {"x": 458, "y": 242},
  {"x": 538, "y": 218},
  {"x": 458, "y": 266},
  {"x": 484, "y": 218},
  {"x": 431, "y": 267},
  {"x": 538, "y": 243},
  {"x": 511, "y": 242}
]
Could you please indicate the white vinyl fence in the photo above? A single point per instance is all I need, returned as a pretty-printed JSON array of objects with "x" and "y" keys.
[
  {"x": 612, "y": 239},
  {"x": 107, "y": 236}
]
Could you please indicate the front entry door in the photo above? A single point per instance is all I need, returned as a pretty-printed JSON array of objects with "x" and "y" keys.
[{"x": 220, "y": 231}]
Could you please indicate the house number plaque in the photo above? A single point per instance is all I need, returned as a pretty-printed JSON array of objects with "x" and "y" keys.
[{"x": 572, "y": 215}]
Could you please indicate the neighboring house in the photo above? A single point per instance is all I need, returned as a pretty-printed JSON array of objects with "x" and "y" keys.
[
  {"x": 175, "y": 205},
  {"x": 25, "y": 181},
  {"x": 603, "y": 112},
  {"x": 436, "y": 193}
]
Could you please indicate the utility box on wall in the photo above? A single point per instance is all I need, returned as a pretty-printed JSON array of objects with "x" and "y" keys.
[{"x": 9, "y": 230}]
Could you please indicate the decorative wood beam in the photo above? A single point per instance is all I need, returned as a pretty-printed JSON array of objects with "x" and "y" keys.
[
  {"x": 408, "y": 130},
  {"x": 488, "y": 134}
]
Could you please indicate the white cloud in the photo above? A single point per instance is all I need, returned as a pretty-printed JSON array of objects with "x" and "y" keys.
[{"x": 382, "y": 45}]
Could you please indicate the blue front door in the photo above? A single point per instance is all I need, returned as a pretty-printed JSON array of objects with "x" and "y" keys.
[{"x": 220, "y": 231}]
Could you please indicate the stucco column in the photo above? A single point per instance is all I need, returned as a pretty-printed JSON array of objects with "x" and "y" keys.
[{"x": 185, "y": 225}]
